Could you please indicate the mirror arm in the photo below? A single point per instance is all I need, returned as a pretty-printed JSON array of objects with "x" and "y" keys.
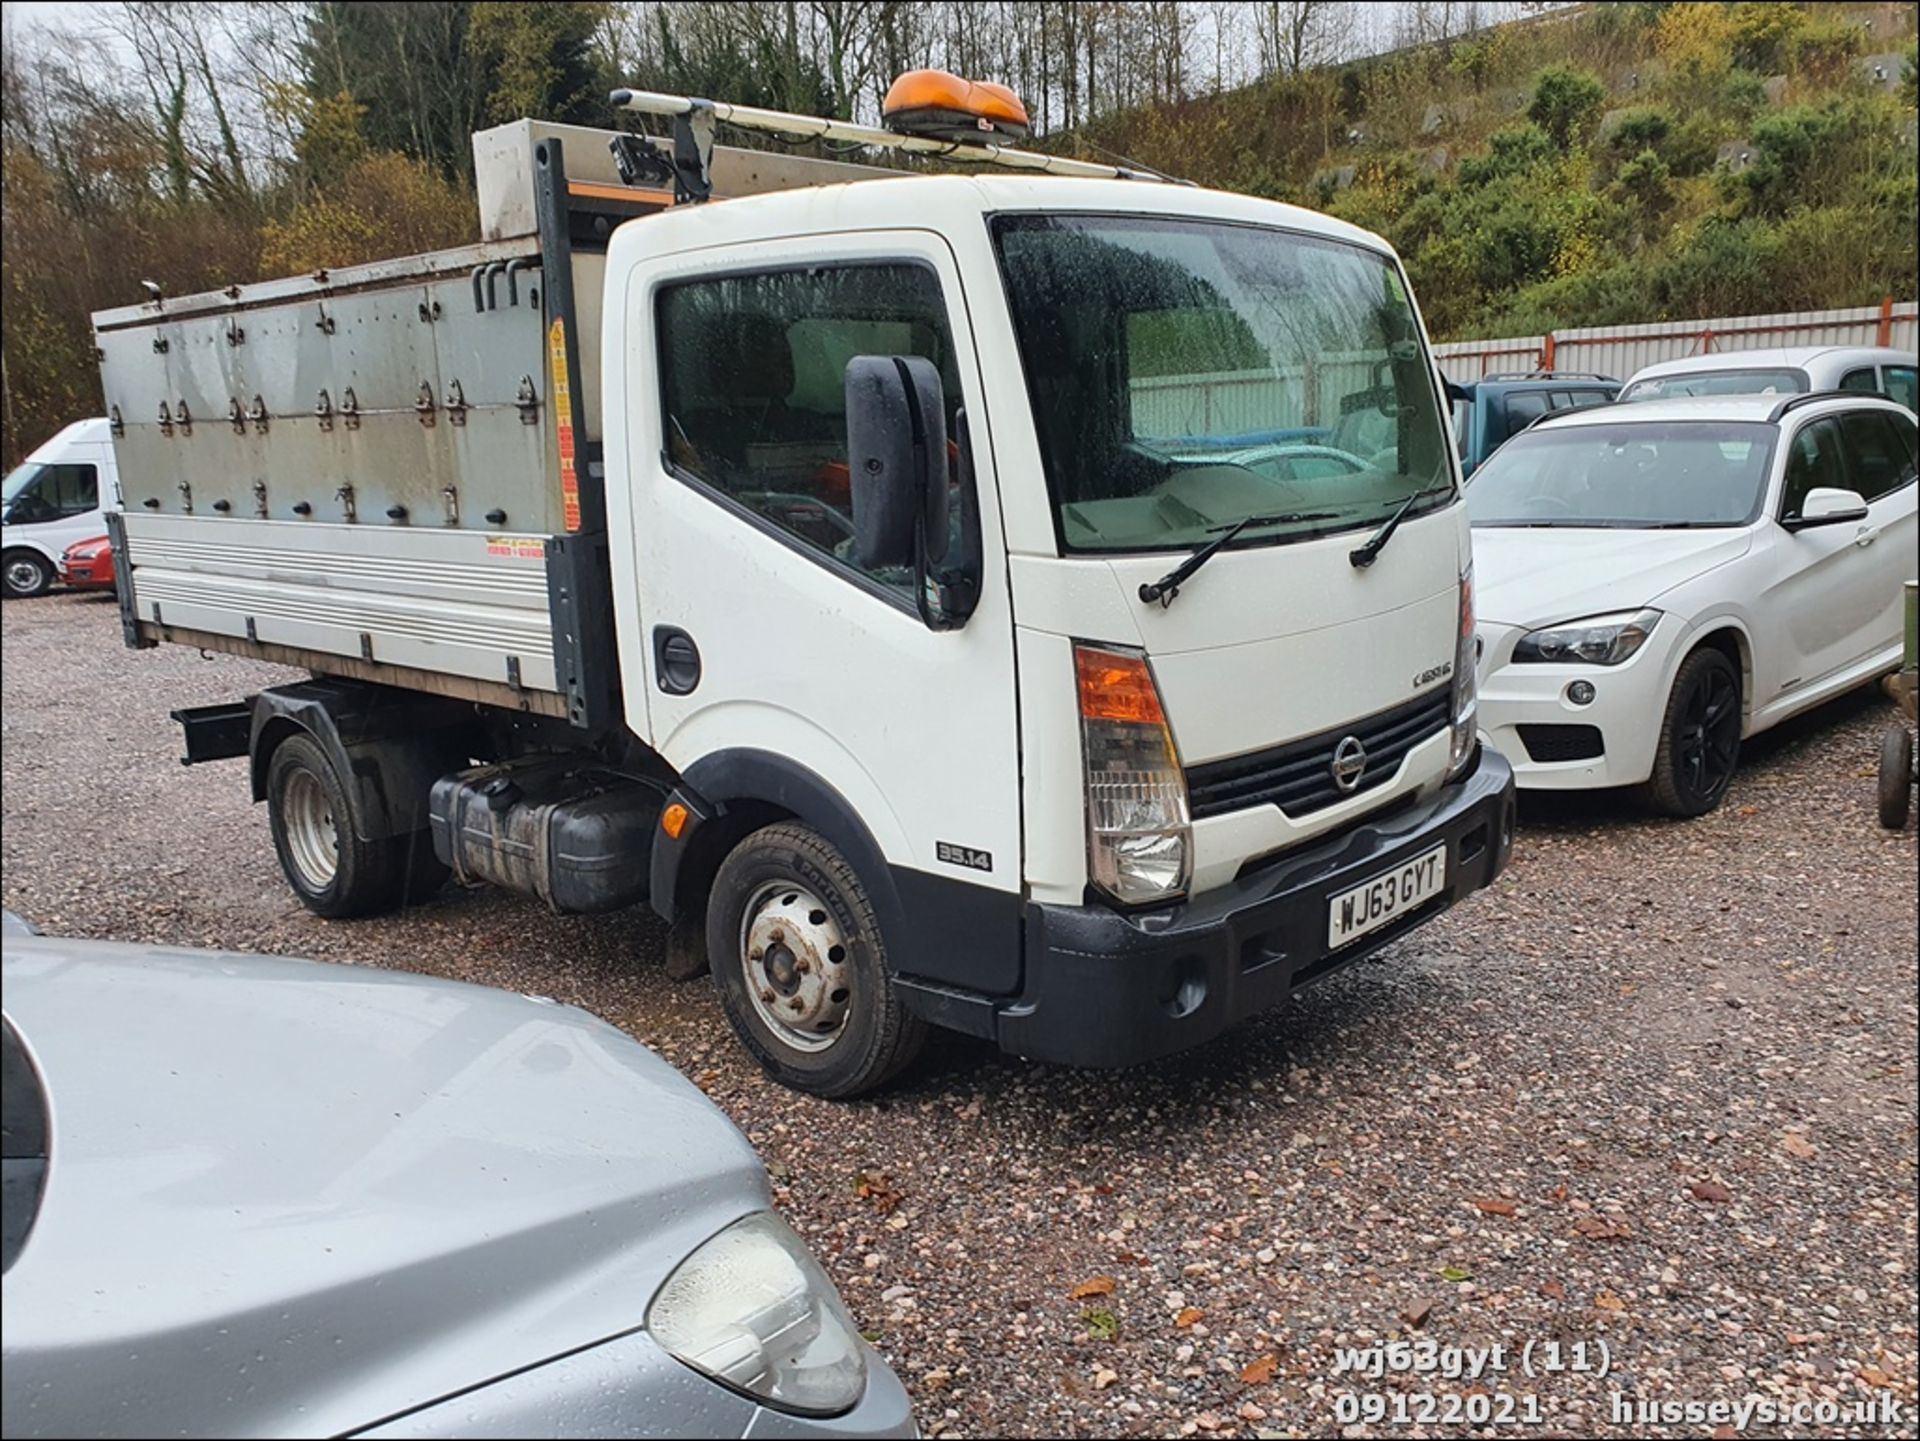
[{"x": 956, "y": 588}]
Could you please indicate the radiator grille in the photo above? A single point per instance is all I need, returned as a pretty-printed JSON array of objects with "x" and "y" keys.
[{"x": 1298, "y": 776}]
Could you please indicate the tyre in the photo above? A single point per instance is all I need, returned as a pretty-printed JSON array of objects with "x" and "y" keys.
[
  {"x": 1896, "y": 777},
  {"x": 26, "y": 573},
  {"x": 331, "y": 869},
  {"x": 801, "y": 967},
  {"x": 1699, "y": 737}
]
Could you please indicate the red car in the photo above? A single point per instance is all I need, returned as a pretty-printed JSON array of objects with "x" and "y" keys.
[{"x": 88, "y": 564}]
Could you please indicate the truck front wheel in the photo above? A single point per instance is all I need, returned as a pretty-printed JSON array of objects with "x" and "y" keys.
[
  {"x": 331, "y": 869},
  {"x": 801, "y": 966}
]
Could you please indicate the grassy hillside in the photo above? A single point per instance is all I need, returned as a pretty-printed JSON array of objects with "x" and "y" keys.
[{"x": 1613, "y": 163}]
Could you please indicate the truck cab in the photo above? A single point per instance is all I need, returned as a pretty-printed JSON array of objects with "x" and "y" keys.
[
  {"x": 999, "y": 631},
  {"x": 56, "y": 497},
  {"x": 1103, "y": 825}
]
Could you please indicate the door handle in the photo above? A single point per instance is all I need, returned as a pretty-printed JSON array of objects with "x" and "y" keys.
[
  {"x": 1866, "y": 535},
  {"x": 676, "y": 660}
]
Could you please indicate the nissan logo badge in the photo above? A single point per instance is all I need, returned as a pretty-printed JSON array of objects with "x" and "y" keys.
[{"x": 1349, "y": 760}]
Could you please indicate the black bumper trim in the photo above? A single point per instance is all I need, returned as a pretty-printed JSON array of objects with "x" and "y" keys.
[{"x": 1105, "y": 989}]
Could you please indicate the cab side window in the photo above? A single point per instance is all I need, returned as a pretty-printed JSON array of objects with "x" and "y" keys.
[
  {"x": 1900, "y": 383},
  {"x": 1813, "y": 461},
  {"x": 57, "y": 492},
  {"x": 753, "y": 372},
  {"x": 1523, "y": 409},
  {"x": 1863, "y": 380},
  {"x": 1881, "y": 459}
]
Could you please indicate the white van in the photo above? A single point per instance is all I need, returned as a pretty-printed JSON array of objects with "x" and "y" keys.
[{"x": 55, "y": 498}]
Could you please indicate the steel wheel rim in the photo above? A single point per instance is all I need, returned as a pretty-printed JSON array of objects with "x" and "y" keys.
[
  {"x": 1709, "y": 739},
  {"x": 23, "y": 574},
  {"x": 311, "y": 838},
  {"x": 793, "y": 956}
]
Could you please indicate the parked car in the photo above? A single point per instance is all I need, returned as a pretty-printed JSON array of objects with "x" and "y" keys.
[
  {"x": 88, "y": 564},
  {"x": 1657, "y": 581},
  {"x": 1868, "y": 369},
  {"x": 249, "y": 1196},
  {"x": 58, "y": 495},
  {"x": 1490, "y": 411}
]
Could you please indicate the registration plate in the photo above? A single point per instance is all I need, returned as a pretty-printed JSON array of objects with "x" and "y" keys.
[{"x": 1372, "y": 904}]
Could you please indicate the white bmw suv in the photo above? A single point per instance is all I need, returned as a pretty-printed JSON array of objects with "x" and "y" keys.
[{"x": 1658, "y": 581}]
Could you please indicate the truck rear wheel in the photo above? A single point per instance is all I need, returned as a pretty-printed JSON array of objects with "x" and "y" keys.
[
  {"x": 802, "y": 968},
  {"x": 331, "y": 869},
  {"x": 27, "y": 573}
]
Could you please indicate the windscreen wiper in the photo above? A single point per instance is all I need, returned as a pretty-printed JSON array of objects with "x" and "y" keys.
[
  {"x": 1168, "y": 586},
  {"x": 1364, "y": 556}
]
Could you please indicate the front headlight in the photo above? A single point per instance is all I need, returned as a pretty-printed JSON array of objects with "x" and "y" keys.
[
  {"x": 1466, "y": 692},
  {"x": 1138, "y": 834},
  {"x": 754, "y": 1311},
  {"x": 1598, "y": 640}
]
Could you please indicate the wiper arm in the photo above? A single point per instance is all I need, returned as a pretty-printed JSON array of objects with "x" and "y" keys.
[
  {"x": 1364, "y": 556},
  {"x": 1168, "y": 586}
]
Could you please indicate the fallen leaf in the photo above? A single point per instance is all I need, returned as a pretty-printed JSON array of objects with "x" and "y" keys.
[
  {"x": 1416, "y": 1314},
  {"x": 1607, "y": 1301},
  {"x": 1187, "y": 1317},
  {"x": 1102, "y": 1325},
  {"x": 1496, "y": 1207},
  {"x": 1749, "y": 810},
  {"x": 1874, "y": 1376},
  {"x": 874, "y": 1187},
  {"x": 1599, "y": 1228},
  {"x": 1258, "y": 1373},
  {"x": 1711, "y": 1191},
  {"x": 1098, "y": 1286},
  {"x": 1797, "y": 1145},
  {"x": 1553, "y": 1290},
  {"x": 1559, "y": 1192},
  {"x": 1455, "y": 1273}
]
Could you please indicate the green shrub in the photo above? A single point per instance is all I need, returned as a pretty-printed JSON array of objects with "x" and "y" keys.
[
  {"x": 1644, "y": 180},
  {"x": 1763, "y": 34},
  {"x": 1511, "y": 150},
  {"x": 1567, "y": 103},
  {"x": 1646, "y": 127},
  {"x": 1693, "y": 146},
  {"x": 1822, "y": 52},
  {"x": 1741, "y": 94}
]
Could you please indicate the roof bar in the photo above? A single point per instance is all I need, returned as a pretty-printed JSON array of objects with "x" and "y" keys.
[{"x": 814, "y": 127}]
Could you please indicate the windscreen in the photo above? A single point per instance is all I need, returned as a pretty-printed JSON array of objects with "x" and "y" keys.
[
  {"x": 1186, "y": 375},
  {"x": 1718, "y": 382},
  {"x": 1634, "y": 476}
]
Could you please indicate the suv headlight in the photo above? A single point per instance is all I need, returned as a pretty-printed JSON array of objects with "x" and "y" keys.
[
  {"x": 754, "y": 1311},
  {"x": 1466, "y": 692},
  {"x": 1139, "y": 839},
  {"x": 1598, "y": 640}
]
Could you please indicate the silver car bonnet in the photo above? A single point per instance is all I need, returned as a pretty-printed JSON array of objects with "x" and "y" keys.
[{"x": 295, "y": 1198}]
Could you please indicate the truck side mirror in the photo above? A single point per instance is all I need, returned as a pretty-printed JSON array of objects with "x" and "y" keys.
[{"x": 897, "y": 460}]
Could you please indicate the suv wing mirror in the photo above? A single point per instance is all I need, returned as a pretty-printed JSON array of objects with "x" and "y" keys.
[{"x": 1827, "y": 505}]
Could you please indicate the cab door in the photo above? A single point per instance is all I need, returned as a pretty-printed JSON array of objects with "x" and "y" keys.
[{"x": 762, "y": 633}]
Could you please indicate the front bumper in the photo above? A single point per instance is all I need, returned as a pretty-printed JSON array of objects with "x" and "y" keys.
[
  {"x": 1526, "y": 716},
  {"x": 1106, "y": 989}
]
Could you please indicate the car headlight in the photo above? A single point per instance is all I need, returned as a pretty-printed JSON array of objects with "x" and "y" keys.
[
  {"x": 1138, "y": 832},
  {"x": 1466, "y": 694},
  {"x": 754, "y": 1311},
  {"x": 1598, "y": 640}
]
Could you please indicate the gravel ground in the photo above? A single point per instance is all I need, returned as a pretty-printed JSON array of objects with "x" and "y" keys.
[{"x": 1657, "y": 1090}]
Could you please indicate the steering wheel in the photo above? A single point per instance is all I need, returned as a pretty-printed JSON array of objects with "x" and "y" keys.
[
  {"x": 773, "y": 500},
  {"x": 1547, "y": 505}
]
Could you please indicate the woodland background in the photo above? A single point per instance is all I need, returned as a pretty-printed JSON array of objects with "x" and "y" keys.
[{"x": 1539, "y": 166}]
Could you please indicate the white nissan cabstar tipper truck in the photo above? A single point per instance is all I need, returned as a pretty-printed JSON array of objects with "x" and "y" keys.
[{"x": 1035, "y": 605}]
